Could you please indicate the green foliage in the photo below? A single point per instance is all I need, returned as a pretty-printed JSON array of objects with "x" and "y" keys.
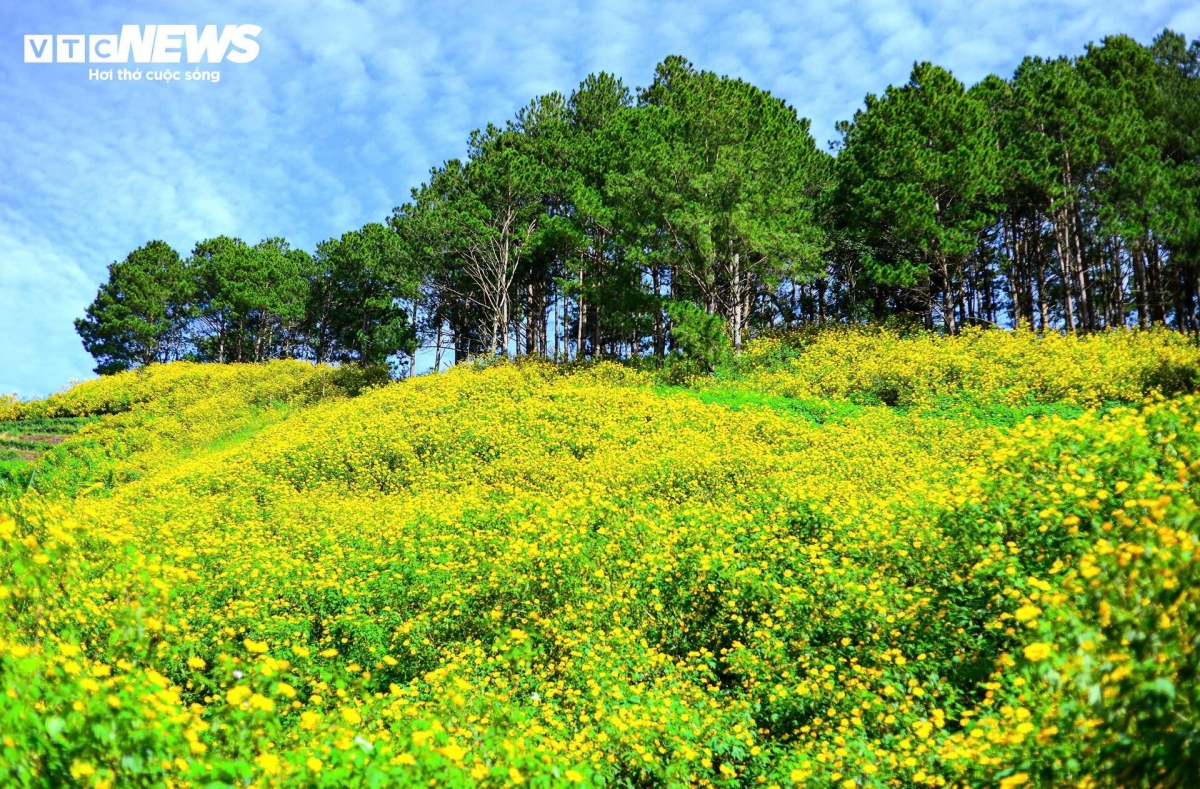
[
  {"x": 733, "y": 174},
  {"x": 24, "y": 441},
  {"x": 1064, "y": 197},
  {"x": 701, "y": 338},
  {"x": 248, "y": 302},
  {"x": 486, "y": 213},
  {"x": 353, "y": 380},
  {"x": 813, "y": 410},
  {"x": 138, "y": 314},
  {"x": 918, "y": 170},
  {"x": 356, "y": 311}
]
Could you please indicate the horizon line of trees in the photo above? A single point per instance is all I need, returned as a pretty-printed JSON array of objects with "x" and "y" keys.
[{"x": 1066, "y": 198}]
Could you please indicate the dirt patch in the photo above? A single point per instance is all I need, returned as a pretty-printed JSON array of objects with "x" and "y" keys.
[
  {"x": 25, "y": 454},
  {"x": 48, "y": 439}
]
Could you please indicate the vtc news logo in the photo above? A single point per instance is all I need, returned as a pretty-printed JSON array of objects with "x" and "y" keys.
[{"x": 148, "y": 44}]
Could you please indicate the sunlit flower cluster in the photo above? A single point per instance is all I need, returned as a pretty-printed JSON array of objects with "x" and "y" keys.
[
  {"x": 1010, "y": 367},
  {"x": 526, "y": 574}
]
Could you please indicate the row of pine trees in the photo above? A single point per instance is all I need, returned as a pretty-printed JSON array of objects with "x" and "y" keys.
[{"x": 1066, "y": 198}]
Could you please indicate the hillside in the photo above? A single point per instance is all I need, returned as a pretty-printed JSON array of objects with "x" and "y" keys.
[{"x": 850, "y": 559}]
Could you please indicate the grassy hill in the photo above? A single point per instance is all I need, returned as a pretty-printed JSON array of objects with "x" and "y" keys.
[{"x": 849, "y": 559}]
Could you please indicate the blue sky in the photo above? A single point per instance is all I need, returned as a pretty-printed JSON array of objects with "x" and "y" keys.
[{"x": 349, "y": 104}]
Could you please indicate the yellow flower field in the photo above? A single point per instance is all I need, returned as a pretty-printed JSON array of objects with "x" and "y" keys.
[{"x": 859, "y": 561}]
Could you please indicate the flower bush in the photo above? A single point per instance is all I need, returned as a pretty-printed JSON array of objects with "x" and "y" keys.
[{"x": 527, "y": 574}]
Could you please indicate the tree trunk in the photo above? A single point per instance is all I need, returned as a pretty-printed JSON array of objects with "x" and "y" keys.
[
  {"x": 1139, "y": 281},
  {"x": 737, "y": 302},
  {"x": 1158, "y": 313},
  {"x": 947, "y": 296},
  {"x": 660, "y": 342},
  {"x": 1084, "y": 273},
  {"x": 582, "y": 313},
  {"x": 1063, "y": 241}
]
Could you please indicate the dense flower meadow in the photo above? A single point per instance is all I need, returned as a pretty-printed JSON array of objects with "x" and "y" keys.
[{"x": 857, "y": 560}]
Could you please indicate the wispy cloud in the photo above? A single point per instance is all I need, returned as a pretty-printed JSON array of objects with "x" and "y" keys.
[{"x": 350, "y": 104}]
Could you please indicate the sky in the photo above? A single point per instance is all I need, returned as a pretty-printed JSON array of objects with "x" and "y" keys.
[{"x": 349, "y": 104}]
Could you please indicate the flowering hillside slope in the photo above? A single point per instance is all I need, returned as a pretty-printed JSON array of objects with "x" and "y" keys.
[{"x": 858, "y": 560}]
